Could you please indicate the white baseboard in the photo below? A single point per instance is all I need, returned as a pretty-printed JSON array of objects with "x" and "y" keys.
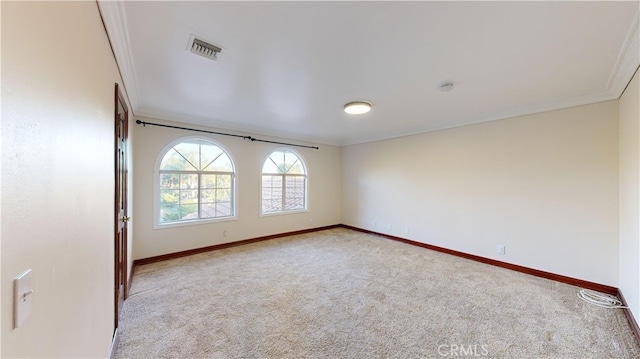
[{"x": 114, "y": 345}]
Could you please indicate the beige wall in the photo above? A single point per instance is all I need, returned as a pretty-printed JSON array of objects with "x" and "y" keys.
[
  {"x": 324, "y": 191},
  {"x": 544, "y": 185},
  {"x": 58, "y": 76},
  {"x": 629, "y": 282}
]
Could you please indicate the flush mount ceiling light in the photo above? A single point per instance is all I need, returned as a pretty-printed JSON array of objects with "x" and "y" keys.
[{"x": 357, "y": 107}]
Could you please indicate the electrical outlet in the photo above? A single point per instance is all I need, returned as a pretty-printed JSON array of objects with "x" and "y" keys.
[
  {"x": 500, "y": 249},
  {"x": 389, "y": 227},
  {"x": 375, "y": 223},
  {"x": 224, "y": 234},
  {"x": 406, "y": 230}
]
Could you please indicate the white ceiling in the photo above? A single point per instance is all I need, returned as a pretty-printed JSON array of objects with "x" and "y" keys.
[{"x": 287, "y": 68}]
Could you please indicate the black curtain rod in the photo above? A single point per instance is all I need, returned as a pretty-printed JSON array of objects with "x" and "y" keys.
[{"x": 253, "y": 139}]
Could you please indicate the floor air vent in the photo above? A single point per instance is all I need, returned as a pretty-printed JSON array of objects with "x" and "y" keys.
[{"x": 203, "y": 48}]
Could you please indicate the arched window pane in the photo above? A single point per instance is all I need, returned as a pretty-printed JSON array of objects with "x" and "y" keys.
[
  {"x": 290, "y": 161},
  {"x": 270, "y": 166},
  {"x": 222, "y": 164},
  {"x": 283, "y": 183},
  {"x": 173, "y": 160},
  {"x": 190, "y": 152},
  {"x": 208, "y": 154},
  {"x": 296, "y": 168},
  {"x": 196, "y": 182},
  {"x": 278, "y": 160}
]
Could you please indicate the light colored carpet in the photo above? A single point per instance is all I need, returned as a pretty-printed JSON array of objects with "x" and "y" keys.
[{"x": 344, "y": 294}]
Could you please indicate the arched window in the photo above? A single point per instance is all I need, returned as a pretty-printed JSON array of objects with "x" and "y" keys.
[
  {"x": 196, "y": 182},
  {"x": 284, "y": 183}
]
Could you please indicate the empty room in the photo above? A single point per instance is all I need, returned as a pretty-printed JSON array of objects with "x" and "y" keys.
[{"x": 331, "y": 179}]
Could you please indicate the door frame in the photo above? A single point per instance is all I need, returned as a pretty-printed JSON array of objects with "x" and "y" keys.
[{"x": 120, "y": 178}]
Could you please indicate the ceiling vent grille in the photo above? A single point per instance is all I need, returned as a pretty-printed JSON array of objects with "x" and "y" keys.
[{"x": 203, "y": 48}]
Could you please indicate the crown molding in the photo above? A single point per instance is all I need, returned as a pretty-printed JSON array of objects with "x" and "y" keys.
[
  {"x": 628, "y": 59},
  {"x": 494, "y": 116},
  {"x": 114, "y": 17},
  {"x": 488, "y": 117},
  {"x": 626, "y": 65}
]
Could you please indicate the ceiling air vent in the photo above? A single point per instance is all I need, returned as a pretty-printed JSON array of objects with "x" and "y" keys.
[{"x": 203, "y": 48}]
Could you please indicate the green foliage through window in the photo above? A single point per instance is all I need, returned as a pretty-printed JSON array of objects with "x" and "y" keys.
[{"x": 196, "y": 182}]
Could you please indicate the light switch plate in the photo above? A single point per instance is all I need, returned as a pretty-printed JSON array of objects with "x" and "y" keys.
[{"x": 22, "y": 297}]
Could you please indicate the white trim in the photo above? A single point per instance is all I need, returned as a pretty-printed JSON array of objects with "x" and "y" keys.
[
  {"x": 156, "y": 185},
  {"x": 114, "y": 17},
  {"x": 194, "y": 222},
  {"x": 114, "y": 345},
  {"x": 306, "y": 184},
  {"x": 587, "y": 99},
  {"x": 628, "y": 59},
  {"x": 496, "y": 116},
  {"x": 281, "y": 213}
]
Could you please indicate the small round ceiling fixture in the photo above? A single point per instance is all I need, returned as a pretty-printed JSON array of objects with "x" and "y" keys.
[{"x": 357, "y": 107}]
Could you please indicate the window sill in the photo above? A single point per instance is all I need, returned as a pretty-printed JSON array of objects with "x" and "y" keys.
[
  {"x": 193, "y": 222},
  {"x": 280, "y": 213}
]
